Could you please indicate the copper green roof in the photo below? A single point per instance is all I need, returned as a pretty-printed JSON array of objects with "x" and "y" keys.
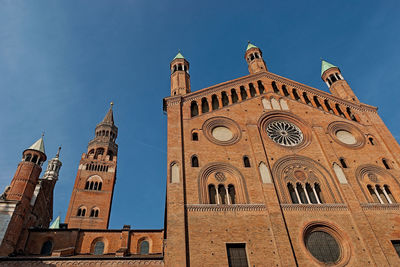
[
  {"x": 38, "y": 145},
  {"x": 56, "y": 223},
  {"x": 250, "y": 45},
  {"x": 326, "y": 66},
  {"x": 179, "y": 55}
]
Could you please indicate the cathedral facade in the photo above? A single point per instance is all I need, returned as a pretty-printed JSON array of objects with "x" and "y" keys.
[{"x": 262, "y": 171}]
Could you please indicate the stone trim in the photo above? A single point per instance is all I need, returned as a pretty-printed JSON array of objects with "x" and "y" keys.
[
  {"x": 379, "y": 206},
  {"x": 314, "y": 207},
  {"x": 233, "y": 207}
]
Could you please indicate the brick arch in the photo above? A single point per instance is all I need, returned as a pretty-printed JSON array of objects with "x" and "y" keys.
[
  {"x": 140, "y": 240},
  {"x": 372, "y": 174},
  {"x": 209, "y": 169},
  {"x": 97, "y": 239},
  {"x": 283, "y": 172}
]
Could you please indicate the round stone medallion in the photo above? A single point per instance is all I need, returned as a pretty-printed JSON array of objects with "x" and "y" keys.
[
  {"x": 222, "y": 133},
  {"x": 284, "y": 133},
  {"x": 346, "y": 137}
]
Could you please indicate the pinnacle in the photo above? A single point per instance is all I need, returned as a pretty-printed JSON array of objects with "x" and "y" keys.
[
  {"x": 250, "y": 45},
  {"x": 38, "y": 145},
  {"x": 109, "y": 118},
  {"x": 179, "y": 55},
  {"x": 325, "y": 65}
]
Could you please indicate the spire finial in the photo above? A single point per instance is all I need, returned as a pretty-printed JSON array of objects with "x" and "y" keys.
[
  {"x": 58, "y": 152},
  {"x": 42, "y": 134},
  {"x": 111, "y": 104}
]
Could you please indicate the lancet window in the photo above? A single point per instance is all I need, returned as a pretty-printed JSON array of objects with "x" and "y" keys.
[{"x": 305, "y": 193}]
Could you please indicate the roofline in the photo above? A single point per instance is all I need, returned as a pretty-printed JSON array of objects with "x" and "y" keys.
[{"x": 94, "y": 230}]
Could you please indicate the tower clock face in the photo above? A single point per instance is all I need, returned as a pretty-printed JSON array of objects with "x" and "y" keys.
[{"x": 284, "y": 133}]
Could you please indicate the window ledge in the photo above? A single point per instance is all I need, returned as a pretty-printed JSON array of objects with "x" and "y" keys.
[
  {"x": 233, "y": 207},
  {"x": 313, "y": 207}
]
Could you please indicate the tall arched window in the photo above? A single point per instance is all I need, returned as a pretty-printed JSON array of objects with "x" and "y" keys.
[
  {"x": 35, "y": 158},
  {"x": 214, "y": 102},
  {"x": 28, "y": 157},
  {"x": 232, "y": 194},
  {"x": 81, "y": 212},
  {"x": 296, "y": 96},
  {"x": 386, "y": 164},
  {"x": 318, "y": 191},
  {"x": 292, "y": 194},
  {"x": 98, "y": 248},
  {"x": 252, "y": 90},
  {"x": 373, "y": 194},
  {"x": 381, "y": 194},
  {"x": 302, "y": 194},
  {"x": 371, "y": 141},
  {"x": 195, "y": 161},
  {"x": 195, "y": 136},
  {"x": 339, "y": 110},
  {"x": 94, "y": 212},
  {"x": 328, "y": 106},
  {"x": 261, "y": 88},
  {"x": 343, "y": 163},
  {"x": 110, "y": 155},
  {"x": 311, "y": 195},
  {"x": 224, "y": 98},
  {"x": 389, "y": 194},
  {"x": 285, "y": 91},
  {"x": 47, "y": 248},
  {"x": 194, "y": 109},
  {"x": 246, "y": 162},
  {"x": 212, "y": 194},
  {"x": 234, "y": 96},
  {"x": 316, "y": 101},
  {"x": 275, "y": 88},
  {"x": 204, "y": 105},
  {"x": 222, "y": 194},
  {"x": 305, "y": 96},
  {"x": 144, "y": 247},
  {"x": 243, "y": 93}
]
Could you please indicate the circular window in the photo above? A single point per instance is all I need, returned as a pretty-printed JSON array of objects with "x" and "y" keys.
[
  {"x": 222, "y": 133},
  {"x": 346, "y": 137},
  {"x": 323, "y": 247},
  {"x": 284, "y": 133},
  {"x": 346, "y": 134}
]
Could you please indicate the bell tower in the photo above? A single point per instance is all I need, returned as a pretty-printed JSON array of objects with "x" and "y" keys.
[
  {"x": 91, "y": 198},
  {"x": 254, "y": 59},
  {"x": 180, "y": 78},
  {"x": 338, "y": 86}
]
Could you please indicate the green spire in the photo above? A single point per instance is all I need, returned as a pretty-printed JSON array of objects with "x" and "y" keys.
[
  {"x": 38, "y": 145},
  {"x": 179, "y": 55},
  {"x": 326, "y": 66},
  {"x": 250, "y": 45},
  {"x": 55, "y": 224}
]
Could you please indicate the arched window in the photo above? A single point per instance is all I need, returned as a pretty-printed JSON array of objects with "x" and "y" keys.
[
  {"x": 275, "y": 88},
  {"x": 28, "y": 157},
  {"x": 194, "y": 109},
  {"x": 292, "y": 194},
  {"x": 81, "y": 212},
  {"x": 328, "y": 106},
  {"x": 195, "y": 136},
  {"x": 87, "y": 185},
  {"x": 47, "y": 248},
  {"x": 318, "y": 191},
  {"x": 234, "y": 96},
  {"x": 261, "y": 88},
  {"x": 285, "y": 91},
  {"x": 337, "y": 76},
  {"x": 232, "y": 194},
  {"x": 386, "y": 164},
  {"x": 110, "y": 154},
  {"x": 308, "y": 102},
  {"x": 99, "y": 151},
  {"x": 224, "y": 98},
  {"x": 302, "y": 194},
  {"x": 339, "y": 110},
  {"x": 204, "y": 105},
  {"x": 99, "y": 187},
  {"x": 343, "y": 163},
  {"x": 381, "y": 195},
  {"x": 252, "y": 90},
  {"x": 351, "y": 115},
  {"x": 246, "y": 162},
  {"x": 316, "y": 101},
  {"x": 296, "y": 96},
  {"x": 222, "y": 194},
  {"x": 35, "y": 158},
  {"x": 144, "y": 247},
  {"x": 212, "y": 194},
  {"x": 371, "y": 141},
  {"x": 243, "y": 93},
  {"x": 389, "y": 194},
  {"x": 98, "y": 248},
  {"x": 311, "y": 195},
  {"x": 195, "y": 161},
  {"x": 91, "y": 152},
  {"x": 214, "y": 102}
]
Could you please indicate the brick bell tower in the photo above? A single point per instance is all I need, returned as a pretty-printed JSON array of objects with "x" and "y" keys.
[
  {"x": 91, "y": 198},
  {"x": 254, "y": 59},
  {"x": 15, "y": 206},
  {"x": 180, "y": 78}
]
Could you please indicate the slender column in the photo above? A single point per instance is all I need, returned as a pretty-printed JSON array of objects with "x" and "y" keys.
[
  {"x": 297, "y": 194},
  {"x": 257, "y": 89},
  {"x": 334, "y": 109},
  {"x": 316, "y": 195},
  {"x": 229, "y": 98},
  {"x": 377, "y": 194},
  {"x": 322, "y": 102},
  {"x": 308, "y": 198},
  {"x": 220, "y": 101},
  {"x": 239, "y": 95},
  {"x": 247, "y": 91},
  {"x": 216, "y": 190},
  {"x": 227, "y": 196},
  {"x": 386, "y": 195},
  {"x": 209, "y": 100},
  {"x": 346, "y": 114}
]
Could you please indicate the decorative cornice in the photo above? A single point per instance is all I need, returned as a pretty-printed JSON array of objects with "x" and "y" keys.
[
  {"x": 233, "y": 207},
  {"x": 314, "y": 207},
  {"x": 378, "y": 206},
  {"x": 81, "y": 261}
]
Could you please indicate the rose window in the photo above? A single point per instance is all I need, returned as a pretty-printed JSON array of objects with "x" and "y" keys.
[{"x": 284, "y": 133}]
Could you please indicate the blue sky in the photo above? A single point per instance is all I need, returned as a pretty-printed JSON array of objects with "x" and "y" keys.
[{"x": 62, "y": 62}]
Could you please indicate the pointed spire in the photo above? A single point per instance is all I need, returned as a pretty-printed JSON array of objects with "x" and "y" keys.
[
  {"x": 58, "y": 152},
  {"x": 250, "y": 45},
  {"x": 179, "y": 55},
  {"x": 38, "y": 145},
  {"x": 109, "y": 118},
  {"x": 55, "y": 224},
  {"x": 326, "y": 66}
]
